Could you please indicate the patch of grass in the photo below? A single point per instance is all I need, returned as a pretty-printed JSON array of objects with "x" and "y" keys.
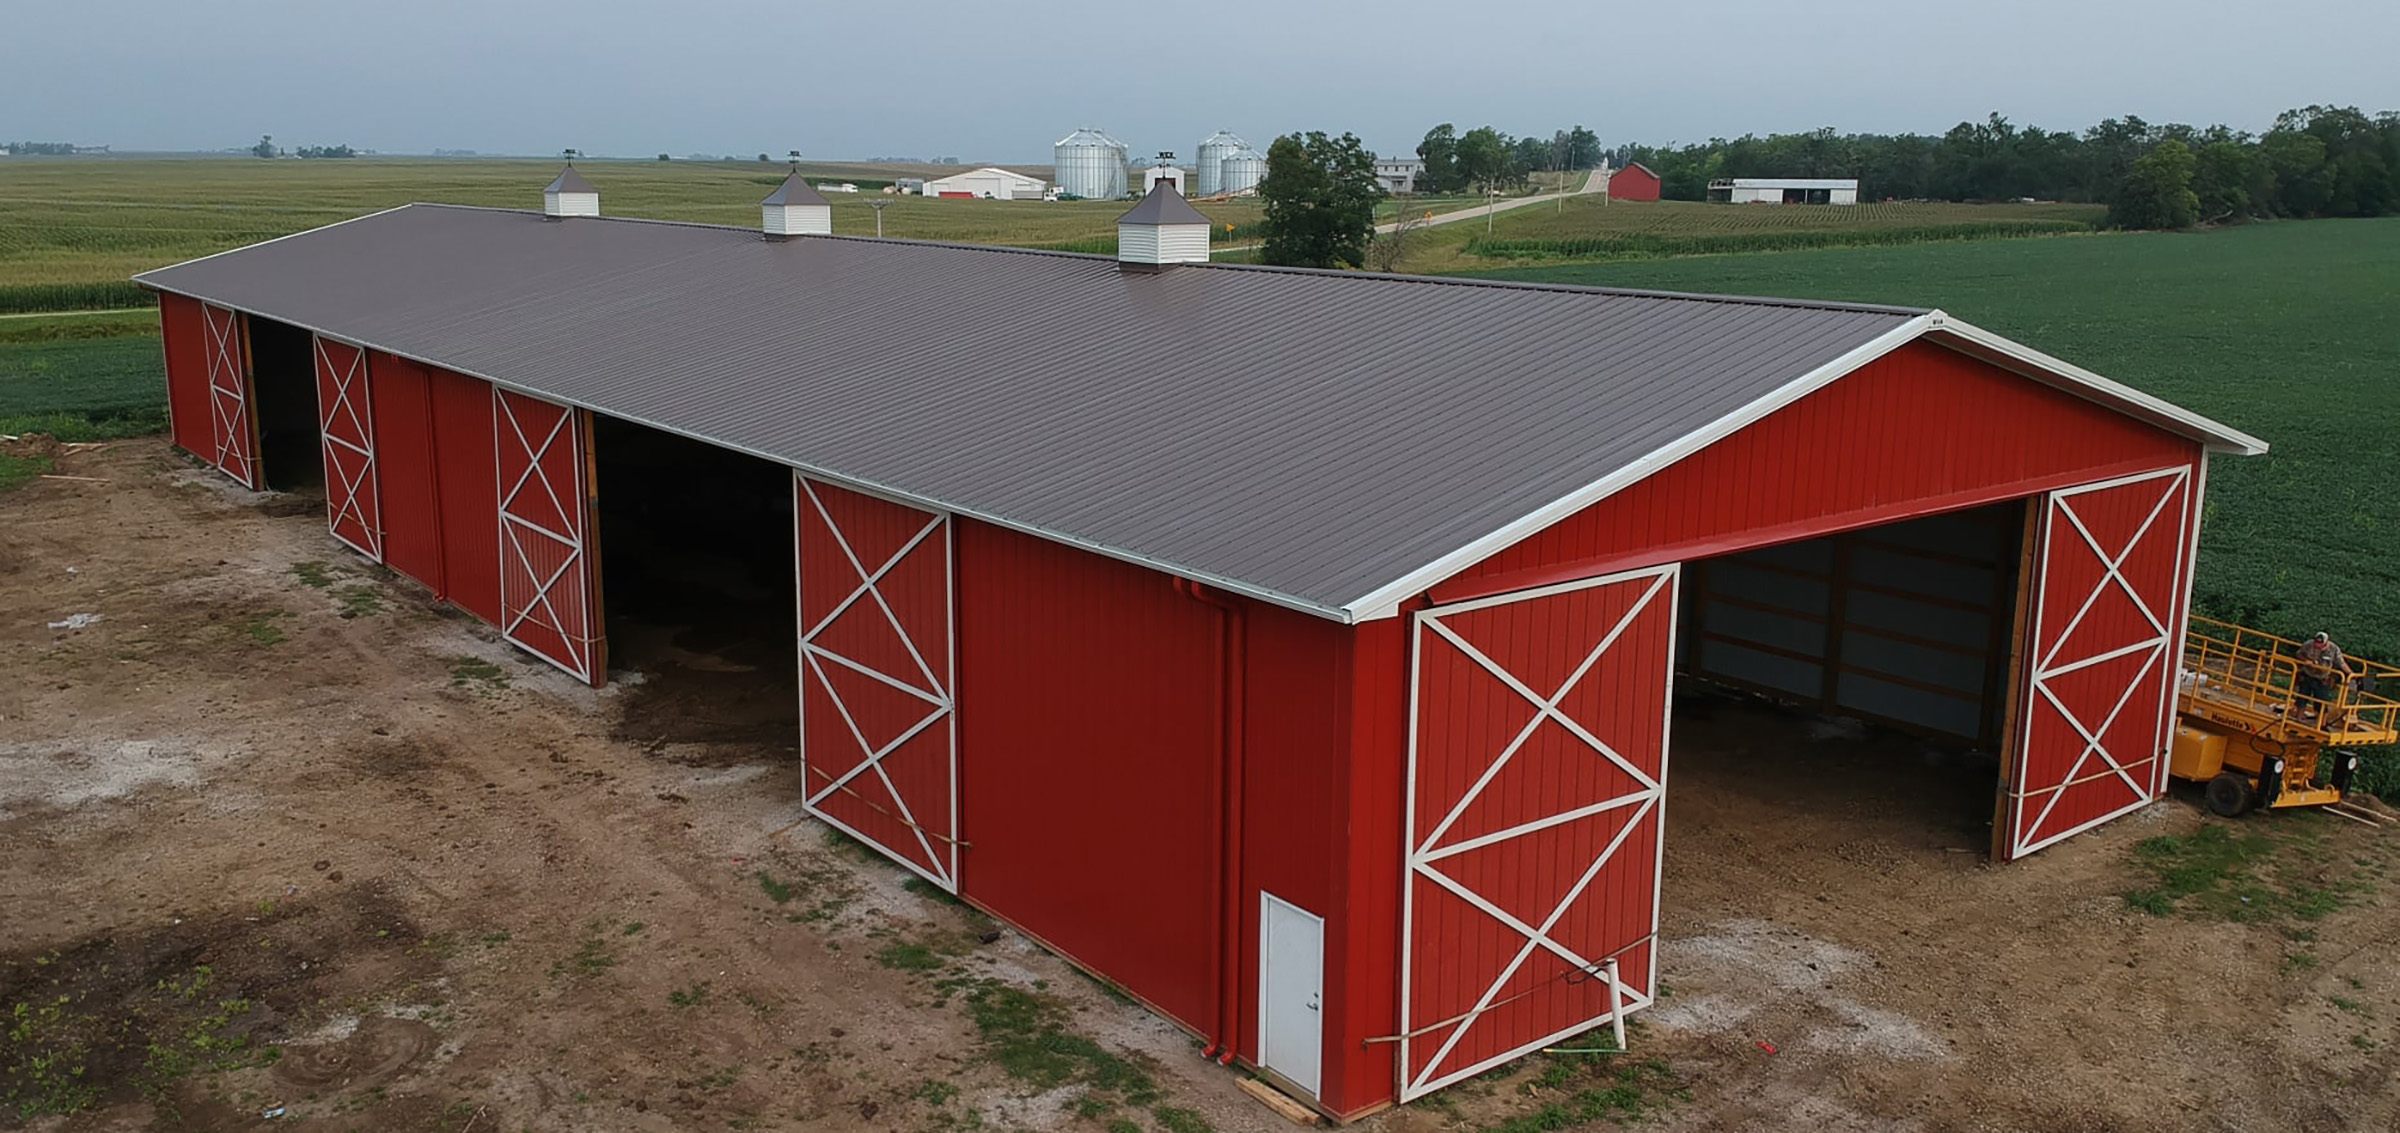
[
  {"x": 1175, "y": 1119},
  {"x": 908, "y": 957},
  {"x": 262, "y": 629},
  {"x": 313, "y": 574},
  {"x": 2352, "y": 1006},
  {"x": 75, "y": 428},
  {"x": 1602, "y": 1086},
  {"x": 2262, "y": 875},
  {"x": 929, "y": 891},
  {"x": 361, "y": 601},
  {"x": 18, "y": 471},
  {"x": 1025, "y": 1034},
  {"x": 495, "y": 939},
  {"x": 2298, "y": 962},
  {"x": 688, "y": 997},
  {"x": 633, "y": 928},
  {"x": 776, "y": 891},
  {"x": 475, "y": 672},
  {"x": 934, "y": 1092},
  {"x": 591, "y": 958},
  {"x": 83, "y": 381}
]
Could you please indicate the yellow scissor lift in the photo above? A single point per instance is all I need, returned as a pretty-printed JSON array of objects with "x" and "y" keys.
[{"x": 2246, "y": 730}]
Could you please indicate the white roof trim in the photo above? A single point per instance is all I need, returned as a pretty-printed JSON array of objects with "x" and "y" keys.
[
  {"x": 137, "y": 278},
  {"x": 1385, "y": 601}
]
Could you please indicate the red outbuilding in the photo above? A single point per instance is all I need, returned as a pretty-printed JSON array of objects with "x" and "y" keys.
[
  {"x": 1635, "y": 182},
  {"x": 1317, "y": 690}
]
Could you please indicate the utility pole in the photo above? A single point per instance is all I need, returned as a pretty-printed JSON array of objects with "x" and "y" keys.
[{"x": 879, "y": 206}]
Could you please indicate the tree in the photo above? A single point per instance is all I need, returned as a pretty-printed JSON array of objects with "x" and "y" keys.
[
  {"x": 1483, "y": 159},
  {"x": 1582, "y": 149},
  {"x": 2157, "y": 190},
  {"x": 2222, "y": 174},
  {"x": 1385, "y": 249},
  {"x": 762, "y": 159},
  {"x": 1439, "y": 152},
  {"x": 265, "y": 146},
  {"x": 1320, "y": 195}
]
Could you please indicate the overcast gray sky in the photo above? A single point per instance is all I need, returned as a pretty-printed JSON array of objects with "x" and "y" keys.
[{"x": 1000, "y": 81}]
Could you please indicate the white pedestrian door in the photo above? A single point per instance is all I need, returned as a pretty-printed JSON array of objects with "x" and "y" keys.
[{"x": 1291, "y": 991}]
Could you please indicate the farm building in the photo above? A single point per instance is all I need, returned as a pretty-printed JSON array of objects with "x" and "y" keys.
[
  {"x": 1784, "y": 190},
  {"x": 1635, "y": 182},
  {"x": 1325, "y": 702},
  {"x": 1163, "y": 173},
  {"x": 988, "y": 183},
  {"x": 1399, "y": 174}
]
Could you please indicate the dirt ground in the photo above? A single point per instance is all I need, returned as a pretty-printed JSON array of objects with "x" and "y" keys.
[{"x": 277, "y": 833}]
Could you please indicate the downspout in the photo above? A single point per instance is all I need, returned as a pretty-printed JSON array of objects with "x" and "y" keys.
[{"x": 1233, "y": 692}]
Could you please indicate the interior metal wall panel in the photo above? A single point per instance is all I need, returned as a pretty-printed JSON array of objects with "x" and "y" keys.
[{"x": 465, "y": 451}]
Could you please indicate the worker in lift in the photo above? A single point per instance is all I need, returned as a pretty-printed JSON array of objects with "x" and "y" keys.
[{"x": 2321, "y": 670}]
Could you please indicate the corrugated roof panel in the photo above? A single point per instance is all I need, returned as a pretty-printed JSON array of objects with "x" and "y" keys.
[{"x": 1366, "y": 427}]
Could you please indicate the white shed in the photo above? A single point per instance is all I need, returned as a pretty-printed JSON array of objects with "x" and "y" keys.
[
  {"x": 988, "y": 183},
  {"x": 1784, "y": 190}
]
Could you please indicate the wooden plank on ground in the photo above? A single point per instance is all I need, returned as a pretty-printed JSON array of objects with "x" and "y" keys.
[{"x": 1276, "y": 1100}]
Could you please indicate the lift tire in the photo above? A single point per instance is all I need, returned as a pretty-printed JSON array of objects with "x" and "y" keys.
[{"x": 2229, "y": 795}]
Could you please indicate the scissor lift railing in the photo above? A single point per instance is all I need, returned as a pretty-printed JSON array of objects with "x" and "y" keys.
[{"x": 2251, "y": 681}]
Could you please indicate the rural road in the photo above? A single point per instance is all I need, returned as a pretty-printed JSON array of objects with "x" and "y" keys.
[{"x": 1593, "y": 182}]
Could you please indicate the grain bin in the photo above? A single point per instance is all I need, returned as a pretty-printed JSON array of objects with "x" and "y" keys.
[
  {"x": 1241, "y": 171},
  {"x": 1212, "y": 154},
  {"x": 1090, "y": 164}
]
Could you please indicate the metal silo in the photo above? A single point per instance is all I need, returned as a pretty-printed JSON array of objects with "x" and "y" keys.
[
  {"x": 1090, "y": 164},
  {"x": 1212, "y": 154},
  {"x": 1241, "y": 171}
]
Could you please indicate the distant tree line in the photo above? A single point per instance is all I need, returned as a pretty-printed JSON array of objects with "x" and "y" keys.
[
  {"x": 2315, "y": 161},
  {"x": 1484, "y": 158},
  {"x": 266, "y": 147},
  {"x": 40, "y": 149}
]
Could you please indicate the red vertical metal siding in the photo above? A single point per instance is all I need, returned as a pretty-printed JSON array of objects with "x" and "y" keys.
[
  {"x": 1632, "y": 184},
  {"x": 1921, "y": 430},
  {"x": 2101, "y": 661},
  {"x": 1294, "y": 718},
  {"x": 404, "y": 457},
  {"x": 1363, "y": 943},
  {"x": 874, "y": 595},
  {"x": 185, "y": 339},
  {"x": 464, "y": 454},
  {"x": 1087, "y": 711}
]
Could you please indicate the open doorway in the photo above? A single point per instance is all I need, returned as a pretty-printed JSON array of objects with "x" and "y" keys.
[
  {"x": 1860, "y": 681},
  {"x": 696, "y": 587},
  {"x": 283, "y": 383}
]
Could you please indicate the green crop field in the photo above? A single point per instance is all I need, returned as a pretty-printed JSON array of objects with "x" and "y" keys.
[
  {"x": 73, "y": 229},
  {"x": 2283, "y": 330},
  {"x": 1591, "y": 228}
]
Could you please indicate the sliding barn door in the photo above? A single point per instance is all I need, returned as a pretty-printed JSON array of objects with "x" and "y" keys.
[
  {"x": 233, "y": 421},
  {"x": 1536, "y": 787},
  {"x": 549, "y": 593},
  {"x": 878, "y": 732},
  {"x": 2101, "y": 655},
  {"x": 346, "y": 431}
]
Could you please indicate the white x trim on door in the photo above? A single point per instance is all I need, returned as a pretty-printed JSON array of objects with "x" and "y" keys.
[
  {"x": 228, "y": 394},
  {"x": 570, "y": 625},
  {"x": 934, "y": 690},
  {"x": 2155, "y": 648},
  {"x": 1426, "y": 852},
  {"x": 350, "y": 414}
]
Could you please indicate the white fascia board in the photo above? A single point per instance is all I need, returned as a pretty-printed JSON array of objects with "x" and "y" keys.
[
  {"x": 1385, "y": 601},
  {"x": 2219, "y": 437}
]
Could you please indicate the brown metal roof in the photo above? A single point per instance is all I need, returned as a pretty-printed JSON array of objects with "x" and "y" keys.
[
  {"x": 569, "y": 181},
  {"x": 795, "y": 190},
  {"x": 1309, "y": 437},
  {"x": 1164, "y": 206}
]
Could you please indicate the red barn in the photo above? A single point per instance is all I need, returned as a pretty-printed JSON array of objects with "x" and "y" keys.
[
  {"x": 1317, "y": 694},
  {"x": 1635, "y": 182}
]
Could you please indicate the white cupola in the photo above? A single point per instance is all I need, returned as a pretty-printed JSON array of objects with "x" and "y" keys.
[
  {"x": 795, "y": 208},
  {"x": 1162, "y": 230},
  {"x": 570, "y": 195}
]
